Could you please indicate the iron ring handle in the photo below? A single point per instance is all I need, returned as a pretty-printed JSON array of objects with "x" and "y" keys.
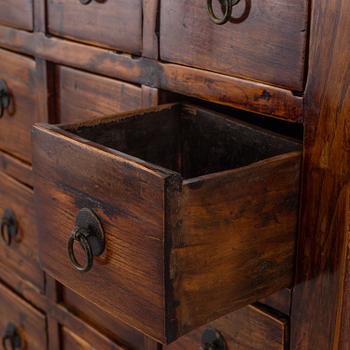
[
  {"x": 8, "y": 227},
  {"x": 11, "y": 337},
  {"x": 227, "y": 6},
  {"x": 4, "y": 97},
  {"x": 85, "y": 2},
  {"x": 213, "y": 340},
  {"x": 80, "y": 235}
]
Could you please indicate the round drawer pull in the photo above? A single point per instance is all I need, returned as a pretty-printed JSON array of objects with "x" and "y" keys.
[
  {"x": 4, "y": 97},
  {"x": 11, "y": 339},
  {"x": 213, "y": 340},
  {"x": 226, "y": 6},
  {"x": 85, "y": 2},
  {"x": 89, "y": 233},
  {"x": 9, "y": 226}
]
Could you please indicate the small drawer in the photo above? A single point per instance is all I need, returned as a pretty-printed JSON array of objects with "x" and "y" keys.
[
  {"x": 264, "y": 40},
  {"x": 20, "y": 323},
  {"x": 73, "y": 341},
  {"x": 250, "y": 328},
  {"x": 174, "y": 207},
  {"x": 98, "y": 319},
  {"x": 18, "y": 239},
  {"x": 17, "y": 103},
  {"x": 81, "y": 95},
  {"x": 17, "y": 14},
  {"x": 115, "y": 24}
]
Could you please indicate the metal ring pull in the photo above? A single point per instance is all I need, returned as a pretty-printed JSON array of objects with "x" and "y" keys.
[
  {"x": 4, "y": 97},
  {"x": 9, "y": 226},
  {"x": 226, "y": 6},
  {"x": 85, "y": 2},
  {"x": 11, "y": 339},
  {"x": 213, "y": 340},
  {"x": 89, "y": 233}
]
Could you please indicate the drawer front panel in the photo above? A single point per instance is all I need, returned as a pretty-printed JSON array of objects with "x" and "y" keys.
[
  {"x": 127, "y": 280},
  {"x": 26, "y": 322},
  {"x": 264, "y": 41},
  {"x": 99, "y": 319},
  {"x": 82, "y": 95},
  {"x": 112, "y": 23},
  {"x": 18, "y": 72},
  {"x": 246, "y": 329},
  {"x": 17, "y": 14},
  {"x": 72, "y": 341},
  {"x": 21, "y": 255}
]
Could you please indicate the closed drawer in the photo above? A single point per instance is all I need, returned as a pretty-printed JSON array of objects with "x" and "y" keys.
[
  {"x": 81, "y": 96},
  {"x": 265, "y": 40},
  {"x": 18, "y": 239},
  {"x": 17, "y": 14},
  {"x": 113, "y": 23},
  {"x": 101, "y": 320},
  {"x": 73, "y": 341},
  {"x": 250, "y": 328},
  {"x": 193, "y": 207},
  {"x": 17, "y": 83},
  {"x": 20, "y": 323}
]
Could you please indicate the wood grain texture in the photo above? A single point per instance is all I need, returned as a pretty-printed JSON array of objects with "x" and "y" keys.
[
  {"x": 127, "y": 280},
  {"x": 30, "y": 322},
  {"x": 22, "y": 256},
  {"x": 22, "y": 287},
  {"x": 236, "y": 243},
  {"x": 320, "y": 294},
  {"x": 264, "y": 41},
  {"x": 280, "y": 301},
  {"x": 91, "y": 314},
  {"x": 112, "y": 23},
  {"x": 81, "y": 96},
  {"x": 247, "y": 329},
  {"x": 230, "y": 91},
  {"x": 164, "y": 251},
  {"x": 19, "y": 73},
  {"x": 150, "y": 28},
  {"x": 13, "y": 167},
  {"x": 17, "y": 14},
  {"x": 71, "y": 341}
]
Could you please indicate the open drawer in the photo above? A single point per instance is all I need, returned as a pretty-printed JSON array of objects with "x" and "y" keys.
[{"x": 182, "y": 214}]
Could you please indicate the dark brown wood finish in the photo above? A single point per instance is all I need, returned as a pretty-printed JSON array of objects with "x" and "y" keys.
[
  {"x": 17, "y": 13},
  {"x": 264, "y": 41},
  {"x": 22, "y": 255},
  {"x": 19, "y": 74},
  {"x": 20, "y": 171},
  {"x": 129, "y": 198},
  {"x": 81, "y": 96},
  {"x": 250, "y": 328},
  {"x": 31, "y": 324},
  {"x": 116, "y": 24},
  {"x": 239, "y": 93},
  {"x": 320, "y": 298}
]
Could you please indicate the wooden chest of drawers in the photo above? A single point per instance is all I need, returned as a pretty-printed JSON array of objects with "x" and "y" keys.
[{"x": 174, "y": 174}]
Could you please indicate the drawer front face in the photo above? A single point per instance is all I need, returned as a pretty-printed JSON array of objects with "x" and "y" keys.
[
  {"x": 18, "y": 73},
  {"x": 72, "y": 341},
  {"x": 17, "y": 14},
  {"x": 83, "y": 95},
  {"x": 246, "y": 329},
  {"x": 127, "y": 280},
  {"x": 113, "y": 23},
  {"x": 265, "y": 40},
  {"x": 20, "y": 253},
  {"x": 19, "y": 320},
  {"x": 94, "y": 316}
]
